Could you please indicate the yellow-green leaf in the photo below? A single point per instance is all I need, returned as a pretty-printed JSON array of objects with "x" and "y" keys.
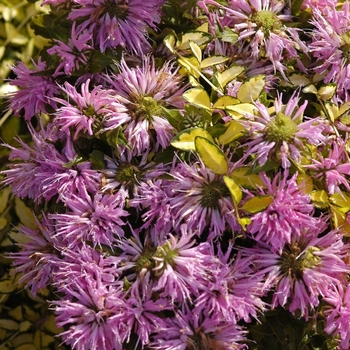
[
  {"x": 213, "y": 60},
  {"x": 190, "y": 66},
  {"x": 10, "y": 325},
  {"x": 27, "y": 347},
  {"x": 256, "y": 204},
  {"x": 246, "y": 180},
  {"x": 234, "y": 189},
  {"x": 42, "y": 339},
  {"x": 4, "y": 196},
  {"x": 200, "y": 38},
  {"x": 3, "y": 223},
  {"x": 339, "y": 220},
  {"x": 17, "y": 313},
  {"x": 234, "y": 131},
  {"x": 310, "y": 89},
  {"x": 228, "y": 75},
  {"x": 51, "y": 325},
  {"x": 24, "y": 214},
  {"x": 211, "y": 155},
  {"x": 198, "y": 97},
  {"x": 305, "y": 183},
  {"x": 6, "y": 286},
  {"x": 244, "y": 222},
  {"x": 251, "y": 89},
  {"x": 196, "y": 51},
  {"x": 341, "y": 200},
  {"x": 185, "y": 139},
  {"x": 320, "y": 199},
  {"x": 332, "y": 111},
  {"x": 298, "y": 79},
  {"x": 24, "y": 326},
  {"x": 237, "y": 111},
  {"x": 224, "y": 101},
  {"x": 169, "y": 42},
  {"x": 326, "y": 92}
]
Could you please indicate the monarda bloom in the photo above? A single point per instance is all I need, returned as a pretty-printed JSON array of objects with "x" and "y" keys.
[
  {"x": 280, "y": 133},
  {"x": 116, "y": 23},
  {"x": 330, "y": 46},
  {"x": 144, "y": 91},
  {"x": 286, "y": 217},
  {"x": 304, "y": 271}
]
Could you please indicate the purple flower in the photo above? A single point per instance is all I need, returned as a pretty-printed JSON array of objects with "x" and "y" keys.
[
  {"x": 144, "y": 91},
  {"x": 337, "y": 314},
  {"x": 201, "y": 199},
  {"x": 331, "y": 46},
  {"x": 281, "y": 134},
  {"x": 73, "y": 54},
  {"x": 39, "y": 257},
  {"x": 304, "y": 271},
  {"x": 43, "y": 171},
  {"x": 286, "y": 218},
  {"x": 91, "y": 218},
  {"x": 36, "y": 90},
  {"x": 117, "y": 22},
  {"x": 333, "y": 168},
  {"x": 190, "y": 330},
  {"x": 88, "y": 112}
]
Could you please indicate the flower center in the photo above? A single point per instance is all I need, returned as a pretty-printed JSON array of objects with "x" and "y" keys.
[
  {"x": 128, "y": 174},
  {"x": 281, "y": 128},
  {"x": 292, "y": 262},
  {"x": 145, "y": 261},
  {"x": 212, "y": 192},
  {"x": 119, "y": 10},
  {"x": 146, "y": 107},
  {"x": 267, "y": 21}
]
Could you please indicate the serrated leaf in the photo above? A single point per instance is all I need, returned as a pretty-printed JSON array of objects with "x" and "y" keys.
[
  {"x": 42, "y": 339},
  {"x": 320, "y": 199},
  {"x": 99, "y": 61},
  {"x": 21, "y": 339},
  {"x": 197, "y": 96},
  {"x": 24, "y": 214},
  {"x": 234, "y": 189},
  {"x": 9, "y": 325},
  {"x": 244, "y": 222},
  {"x": 339, "y": 220},
  {"x": 305, "y": 183},
  {"x": 185, "y": 139},
  {"x": 228, "y": 35},
  {"x": 228, "y": 75},
  {"x": 250, "y": 181},
  {"x": 196, "y": 51},
  {"x": 18, "y": 237},
  {"x": 251, "y": 89},
  {"x": 16, "y": 313},
  {"x": 237, "y": 111},
  {"x": 211, "y": 155},
  {"x": 25, "y": 326},
  {"x": 213, "y": 60},
  {"x": 7, "y": 286},
  {"x": 224, "y": 101},
  {"x": 257, "y": 204},
  {"x": 233, "y": 132},
  {"x": 51, "y": 325},
  {"x": 326, "y": 92},
  {"x": 341, "y": 200}
]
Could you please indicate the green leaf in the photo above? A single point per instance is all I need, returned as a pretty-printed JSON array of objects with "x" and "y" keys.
[
  {"x": 10, "y": 129},
  {"x": 320, "y": 199},
  {"x": 211, "y": 155},
  {"x": 197, "y": 96},
  {"x": 186, "y": 138},
  {"x": 116, "y": 138},
  {"x": 4, "y": 196},
  {"x": 169, "y": 42},
  {"x": 97, "y": 160},
  {"x": 251, "y": 89},
  {"x": 234, "y": 130},
  {"x": 200, "y": 38},
  {"x": 244, "y": 222},
  {"x": 213, "y": 60},
  {"x": 9, "y": 324},
  {"x": 191, "y": 65},
  {"x": 310, "y": 89},
  {"x": 228, "y": 75},
  {"x": 228, "y": 35},
  {"x": 256, "y": 204},
  {"x": 99, "y": 61},
  {"x": 234, "y": 189},
  {"x": 24, "y": 214}
]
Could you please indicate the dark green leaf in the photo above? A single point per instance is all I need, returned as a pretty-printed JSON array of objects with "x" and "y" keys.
[{"x": 97, "y": 160}]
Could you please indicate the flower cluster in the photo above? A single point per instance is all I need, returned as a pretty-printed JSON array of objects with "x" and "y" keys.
[{"x": 189, "y": 166}]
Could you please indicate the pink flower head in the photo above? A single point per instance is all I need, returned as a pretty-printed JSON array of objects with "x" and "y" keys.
[
  {"x": 281, "y": 135},
  {"x": 144, "y": 91},
  {"x": 88, "y": 112},
  {"x": 286, "y": 218},
  {"x": 116, "y": 23},
  {"x": 36, "y": 90},
  {"x": 331, "y": 46}
]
